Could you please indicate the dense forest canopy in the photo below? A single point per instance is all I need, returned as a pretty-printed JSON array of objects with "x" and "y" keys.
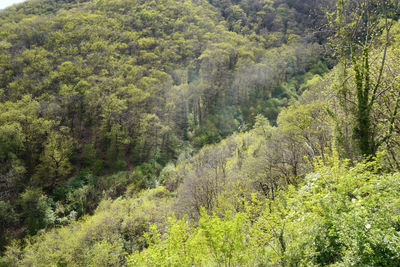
[{"x": 194, "y": 132}]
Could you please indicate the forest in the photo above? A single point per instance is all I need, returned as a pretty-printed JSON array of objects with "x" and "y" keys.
[{"x": 200, "y": 133}]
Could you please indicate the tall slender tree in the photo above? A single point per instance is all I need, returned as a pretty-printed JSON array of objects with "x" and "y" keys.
[{"x": 359, "y": 25}]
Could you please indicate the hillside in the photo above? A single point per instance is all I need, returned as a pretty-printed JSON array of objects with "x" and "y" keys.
[
  {"x": 199, "y": 133},
  {"x": 98, "y": 87}
]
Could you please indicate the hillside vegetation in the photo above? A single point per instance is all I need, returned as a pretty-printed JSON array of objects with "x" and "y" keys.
[{"x": 199, "y": 133}]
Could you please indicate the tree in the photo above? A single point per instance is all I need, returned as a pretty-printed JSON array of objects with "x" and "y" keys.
[
  {"x": 11, "y": 167},
  {"x": 55, "y": 162},
  {"x": 358, "y": 26},
  {"x": 36, "y": 209}
]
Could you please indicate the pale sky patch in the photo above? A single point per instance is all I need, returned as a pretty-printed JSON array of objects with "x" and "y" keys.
[{"x": 7, "y": 3}]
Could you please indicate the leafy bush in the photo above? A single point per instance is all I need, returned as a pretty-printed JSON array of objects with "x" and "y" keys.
[
  {"x": 340, "y": 216},
  {"x": 115, "y": 230},
  {"x": 36, "y": 210}
]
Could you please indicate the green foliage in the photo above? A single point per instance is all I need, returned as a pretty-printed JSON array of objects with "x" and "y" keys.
[
  {"x": 8, "y": 217},
  {"x": 114, "y": 86},
  {"x": 262, "y": 160},
  {"x": 103, "y": 239},
  {"x": 100, "y": 101},
  {"x": 36, "y": 210},
  {"x": 105, "y": 254},
  {"x": 356, "y": 34},
  {"x": 54, "y": 161},
  {"x": 216, "y": 241},
  {"x": 206, "y": 134},
  {"x": 91, "y": 160},
  {"x": 83, "y": 193},
  {"x": 339, "y": 216}
]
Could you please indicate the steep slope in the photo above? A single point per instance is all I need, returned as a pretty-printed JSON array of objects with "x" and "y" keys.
[
  {"x": 104, "y": 72},
  {"x": 274, "y": 195},
  {"x": 92, "y": 88}
]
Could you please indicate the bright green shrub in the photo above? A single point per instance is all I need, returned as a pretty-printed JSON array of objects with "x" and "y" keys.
[
  {"x": 115, "y": 230},
  {"x": 339, "y": 216}
]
